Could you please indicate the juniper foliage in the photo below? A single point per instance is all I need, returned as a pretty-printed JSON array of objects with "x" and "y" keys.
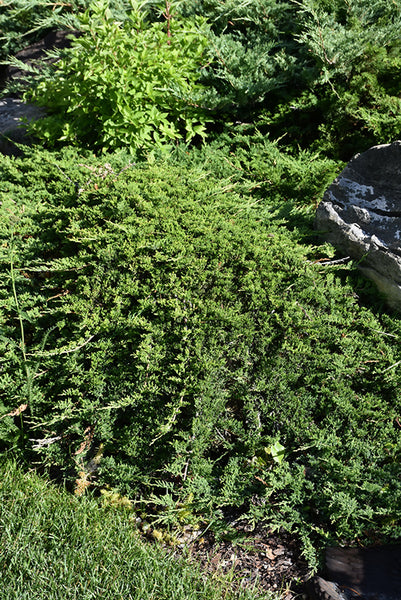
[
  {"x": 352, "y": 100},
  {"x": 173, "y": 328},
  {"x": 253, "y": 51}
]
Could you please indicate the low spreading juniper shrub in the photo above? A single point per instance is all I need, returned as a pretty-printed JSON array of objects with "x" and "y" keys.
[
  {"x": 174, "y": 328},
  {"x": 252, "y": 164},
  {"x": 324, "y": 75}
]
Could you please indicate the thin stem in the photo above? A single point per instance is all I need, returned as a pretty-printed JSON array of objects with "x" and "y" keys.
[
  {"x": 168, "y": 17},
  {"x": 21, "y": 322}
]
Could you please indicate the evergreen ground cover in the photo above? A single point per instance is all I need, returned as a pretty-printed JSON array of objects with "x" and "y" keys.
[
  {"x": 168, "y": 322},
  {"x": 170, "y": 329}
]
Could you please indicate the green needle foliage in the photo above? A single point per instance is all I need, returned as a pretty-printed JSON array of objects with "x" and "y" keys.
[
  {"x": 323, "y": 74},
  {"x": 176, "y": 330},
  {"x": 351, "y": 99},
  {"x": 252, "y": 46},
  {"x": 168, "y": 329}
]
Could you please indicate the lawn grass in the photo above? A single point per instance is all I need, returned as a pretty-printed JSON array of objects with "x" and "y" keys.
[{"x": 54, "y": 545}]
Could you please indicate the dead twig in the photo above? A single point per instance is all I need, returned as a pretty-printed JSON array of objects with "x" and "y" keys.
[{"x": 326, "y": 263}]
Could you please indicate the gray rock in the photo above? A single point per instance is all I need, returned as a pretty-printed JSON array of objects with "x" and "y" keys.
[
  {"x": 360, "y": 214},
  {"x": 12, "y": 111}
]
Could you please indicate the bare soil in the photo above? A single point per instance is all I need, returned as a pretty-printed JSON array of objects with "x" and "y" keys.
[{"x": 258, "y": 558}]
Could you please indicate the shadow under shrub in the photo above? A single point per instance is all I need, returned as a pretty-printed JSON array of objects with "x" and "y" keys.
[{"x": 174, "y": 329}]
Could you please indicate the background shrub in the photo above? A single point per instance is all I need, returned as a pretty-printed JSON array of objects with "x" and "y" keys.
[
  {"x": 23, "y": 22},
  {"x": 131, "y": 84},
  {"x": 314, "y": 74},
  {"x": 350, "y": 100},
  {"x": 253, "y": 50}
]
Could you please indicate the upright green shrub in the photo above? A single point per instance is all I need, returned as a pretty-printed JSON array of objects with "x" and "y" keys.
[{"x": 131, "y": 84}]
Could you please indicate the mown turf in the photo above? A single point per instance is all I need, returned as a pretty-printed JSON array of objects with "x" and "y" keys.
[{"x": 56, "y": 546}]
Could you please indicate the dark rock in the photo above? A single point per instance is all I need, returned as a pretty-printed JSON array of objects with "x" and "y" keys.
[
  {"x": 12, "y": 109},
  {"x": 367, "y": 573},
  {"x": 359, "y": 573},
  {"x": 321, "y": 589},
  {"x": 360, "y": 214}
]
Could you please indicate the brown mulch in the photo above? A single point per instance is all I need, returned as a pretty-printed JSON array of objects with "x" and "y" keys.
[
  {"x": 269, "y": 561},
  {"x": 258, "y": 558}
]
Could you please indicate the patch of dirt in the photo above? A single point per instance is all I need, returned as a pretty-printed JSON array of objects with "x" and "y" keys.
[
  {"x": 260, "y": 558},
  {"x": 271, "y": 561},
  {"x": 35, "y": 53}
]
